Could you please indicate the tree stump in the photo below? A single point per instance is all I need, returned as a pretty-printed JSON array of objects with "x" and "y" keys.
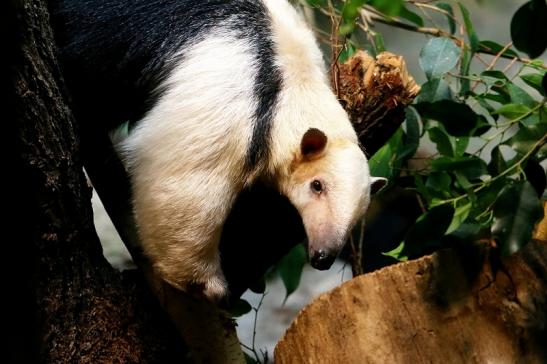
[
  {"x": 375, "y": 93},
  {"x": 464, "y": 305}
]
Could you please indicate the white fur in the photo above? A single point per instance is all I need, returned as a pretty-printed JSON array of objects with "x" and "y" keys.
[
  {"x": 306, "y": 101},
  {"x": 186, "y": 160},
  {"x": 186, "y": 156},
  {"x": 329, "y": 216}
]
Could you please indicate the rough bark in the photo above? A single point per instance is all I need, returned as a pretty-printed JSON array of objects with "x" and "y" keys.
[
  {"x": 84, "y": 310},
  {"x": 462, "y": 305},
  {"x": 375, "y": 92}
]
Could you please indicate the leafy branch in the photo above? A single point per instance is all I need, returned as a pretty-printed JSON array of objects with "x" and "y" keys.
[
  {"x": 518, "y": 165},
  {"x": 436, "y": 32},
  {"x": 459, "y": 188}
]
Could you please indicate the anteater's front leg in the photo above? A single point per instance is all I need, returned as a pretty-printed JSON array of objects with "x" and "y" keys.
[{"x": 180, "y": 221}]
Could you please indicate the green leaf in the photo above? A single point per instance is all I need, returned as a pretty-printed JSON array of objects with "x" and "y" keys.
[
  {"x": 259, "y": 286},
  {"x": 485, "y": 105},
  {"x": 458, "y": 119},
  {"x": 542, "y": 114},
  {"x": 513, "y": 111},
  {"x": 544, "y": 83},
  {"x": 389, "y": 7},
  {"x": 500, "y": 99},
  {"x": 351, "y": 8},
  {"x": 497, "y": 163},
  {"x": 439, "y": 181},
  {"x": 496, "y": 80},
  {"x": 379, "y": 43},
  {"x": 426, "y": 234},
  {"x": 450, "y": 19},
  {"x": 249, "y": 359},
  {"x": 465, "y": 83},
  {"x": 532, "y": 119},
  {"x": 463, "y": 182},
  {"x": 471, "y": 167},
  {"x": 435, "y": 89},
  {"x": 290, "y": 268},
  {"x": 350, "y": 12},
  {"x": 346, "y": 28},
  {"x": 380, "y": 162},
  {"x": 496, "y": 48},
  {"x": 466, "y": 231},
  {"x": 411, "y": 16},
  {"x": 460, "y": 216},
  {"x": 386, "y": 162},
  {"x": 441, "y": 139},
  {"x": 422, "y": 189},
  {"x": 239, "y": 307},
  {"x": 406, "y": 151},
  {"x": 534, "y": 80},
  {"x": 488, "y": 195},
  {"x": 482, "y": 126},
  {"x": 412, "y": 127},
  {"x": 461, "y": 145},
  {"x": 508, "y": 92},
  {"x": 438, "y": 56},
  {"x": 535, "y": 174},
  {"x": 519, "y": 96},
  {"x": 397, "y": 253},
  {"x": 527, "y": 137},
  {"x": 529, "y": 28},
  {"x": 498, "y": 75},
  {"x": 516, "y": 212},
  {"x": 473, "y": 39},
  {"x": 348, "y": 51}
]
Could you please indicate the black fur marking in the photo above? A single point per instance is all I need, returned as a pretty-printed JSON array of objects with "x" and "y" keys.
[
  {"x": 267, "y": 87},
  {"x": 115, "y": 54}
]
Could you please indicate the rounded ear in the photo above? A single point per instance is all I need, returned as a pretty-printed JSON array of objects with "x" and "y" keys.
[
  {"x": 313, "y": 143},
  {"x": 377, "y": 184}
]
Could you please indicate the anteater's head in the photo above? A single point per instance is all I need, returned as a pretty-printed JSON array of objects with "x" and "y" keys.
[{"x": 330, "y": 186}]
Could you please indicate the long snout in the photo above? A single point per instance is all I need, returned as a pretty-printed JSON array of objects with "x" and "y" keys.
[
  {"x": 326, "y": 239},
  {"x": 324, "y": 249}
]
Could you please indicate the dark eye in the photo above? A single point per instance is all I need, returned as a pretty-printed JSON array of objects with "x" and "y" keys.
[{"x": 316, "y": 186}]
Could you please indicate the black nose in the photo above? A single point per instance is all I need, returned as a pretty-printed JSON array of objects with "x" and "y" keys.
[{"x": 322, "y": 259}]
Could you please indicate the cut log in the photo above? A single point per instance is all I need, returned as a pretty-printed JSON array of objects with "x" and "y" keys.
[{"x": 462, "y": 305}]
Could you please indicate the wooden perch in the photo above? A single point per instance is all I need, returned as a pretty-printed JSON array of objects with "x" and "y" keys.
[
  {"x": 375, "y": 92},
  {"x": 456, "y": 306}
]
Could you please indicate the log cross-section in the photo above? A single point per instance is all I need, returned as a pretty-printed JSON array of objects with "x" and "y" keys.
[{"x": 455, "y": 306}]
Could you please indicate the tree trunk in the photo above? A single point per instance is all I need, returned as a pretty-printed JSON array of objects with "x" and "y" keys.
[
  {"x": 86, "y": 311},
  {"x": 462, "y": 305}
]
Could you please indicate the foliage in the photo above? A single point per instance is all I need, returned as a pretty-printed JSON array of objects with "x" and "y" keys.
[
  {"x": 483, "y": 180},
  {"x": 290, "y": 269}
]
